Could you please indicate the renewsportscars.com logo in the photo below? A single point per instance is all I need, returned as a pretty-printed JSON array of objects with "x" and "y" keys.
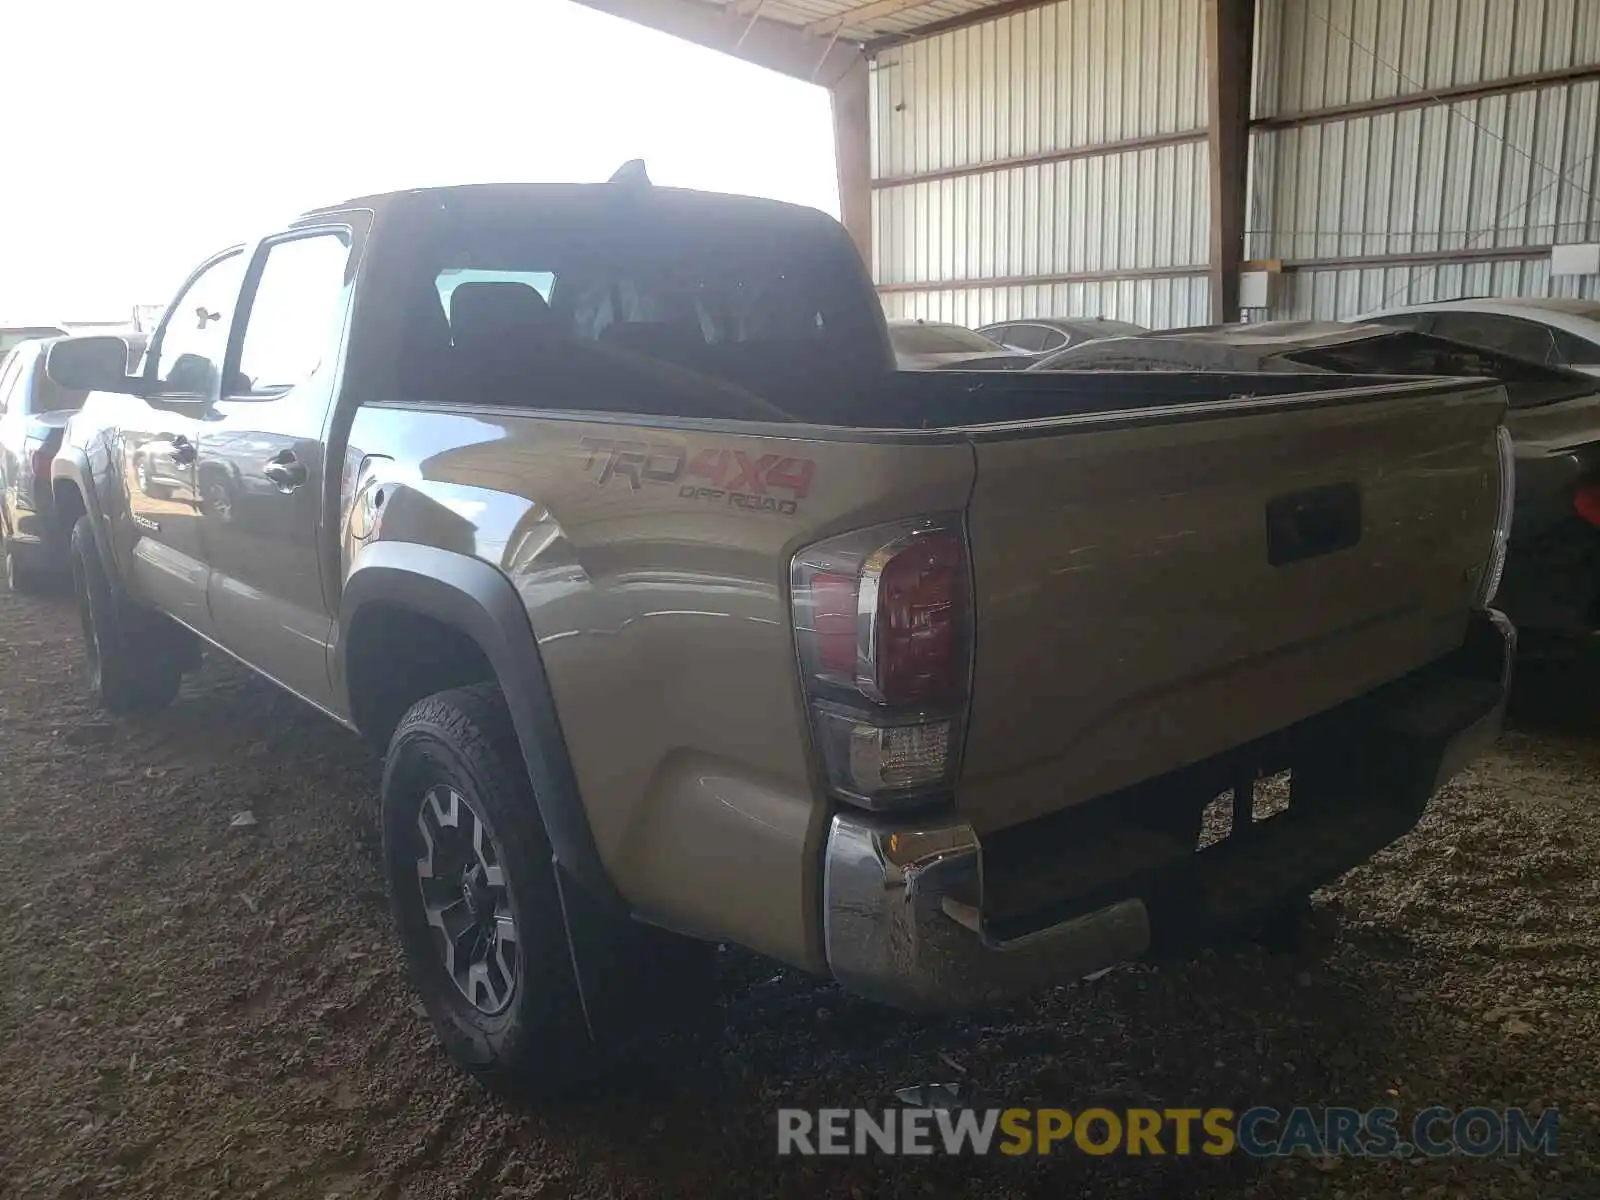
[{"x": 1260, "y": 1132}]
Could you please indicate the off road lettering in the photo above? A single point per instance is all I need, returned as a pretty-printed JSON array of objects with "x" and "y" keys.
[
  {"x": 637, "y": 462},
  {"x": 710, "y": 465},
  {"x": 737, "y": 471},
  {"x": 715, "y": 474}
]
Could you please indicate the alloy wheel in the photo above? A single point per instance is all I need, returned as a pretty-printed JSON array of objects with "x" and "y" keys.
[{"x": 465, "y": 900}]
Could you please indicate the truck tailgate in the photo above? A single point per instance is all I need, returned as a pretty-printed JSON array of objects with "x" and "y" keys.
[{"x": 1154, "y": 589}]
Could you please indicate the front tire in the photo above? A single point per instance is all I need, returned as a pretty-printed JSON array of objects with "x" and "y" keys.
[
  {"x": 474, "y": 895},
  {"x": 132, "y": 659}
]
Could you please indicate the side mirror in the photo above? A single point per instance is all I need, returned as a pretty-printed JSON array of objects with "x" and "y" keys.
[{"x": 91, "y": 364}]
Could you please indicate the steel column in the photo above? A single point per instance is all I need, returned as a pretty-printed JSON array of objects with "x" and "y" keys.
[{"x": 1230, "y": 46}]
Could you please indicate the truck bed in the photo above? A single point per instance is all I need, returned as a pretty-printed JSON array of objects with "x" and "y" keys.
[
  {"x": 1135, "y": 611},
  {"x": 1156, "y": 587},
  {"x": 934, "y": 399}
]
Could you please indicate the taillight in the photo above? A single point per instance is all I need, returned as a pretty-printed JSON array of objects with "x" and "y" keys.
[
  {"x": 883, "y": 627},
  {"x": 1587, "y": 501},
  {"x": 35, "y": 479}
]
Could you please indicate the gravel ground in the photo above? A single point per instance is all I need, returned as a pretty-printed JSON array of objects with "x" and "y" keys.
[{"x": 190, "y": 1009}]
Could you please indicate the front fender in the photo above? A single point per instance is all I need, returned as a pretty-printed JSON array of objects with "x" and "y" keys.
[{"x": 477, "y": 599}]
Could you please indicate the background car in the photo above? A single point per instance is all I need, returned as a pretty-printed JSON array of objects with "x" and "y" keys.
[
  {"x": 12, "y": 335},
  {"x": 34, "y": 411},
  {"x": 1047, "y": 334},
  {"x": 1551, "y": 587},
  {"x": 1563, "y": 333},
  {"x": 931, "y": 345}
]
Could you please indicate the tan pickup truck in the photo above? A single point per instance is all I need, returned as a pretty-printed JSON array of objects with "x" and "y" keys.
[{"x": 683, "y": 617}]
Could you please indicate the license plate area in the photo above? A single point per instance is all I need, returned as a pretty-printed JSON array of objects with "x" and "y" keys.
[{"x": 1254, "y": 800}]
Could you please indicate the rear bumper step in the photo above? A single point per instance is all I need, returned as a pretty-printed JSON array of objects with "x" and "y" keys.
[{"x": 921, "y": 914}]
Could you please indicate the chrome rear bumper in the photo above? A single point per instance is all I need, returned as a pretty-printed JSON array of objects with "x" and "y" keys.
[
  {"x": 901, "y": 926},
  {"x": 902, "y": 897}
]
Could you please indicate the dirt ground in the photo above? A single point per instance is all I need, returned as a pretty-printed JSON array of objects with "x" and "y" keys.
[{"x": 192, "y": 1009}]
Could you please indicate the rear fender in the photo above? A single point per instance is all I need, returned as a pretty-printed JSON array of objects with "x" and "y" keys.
[
  {"x": 611, "y": 951},
  {"x": 475, "y": 598}
]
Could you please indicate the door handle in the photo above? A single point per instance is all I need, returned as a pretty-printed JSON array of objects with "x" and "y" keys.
[
  {"x": 285, "y": 471},
  {"x": 182, "y": 451}
]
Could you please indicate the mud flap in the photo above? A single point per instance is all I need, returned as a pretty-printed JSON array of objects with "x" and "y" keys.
[{"x": 637, "y": 983}]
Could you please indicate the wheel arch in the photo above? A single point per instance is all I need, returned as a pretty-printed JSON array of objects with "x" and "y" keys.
[
  {"x": 475, "y": 602},
  {"x": 73, "y": 490}
]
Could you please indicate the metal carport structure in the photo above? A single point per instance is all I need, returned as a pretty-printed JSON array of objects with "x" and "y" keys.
[
  {"x": 836, "y": 44},
  {"x": 1000, "y": 159}
]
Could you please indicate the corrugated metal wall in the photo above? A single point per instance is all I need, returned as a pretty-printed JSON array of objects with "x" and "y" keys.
[
  {"x": 1119, "y": 233},
  {"x": 1518, "y": 169},
  {"x": 1005, "y": 185},
  {"x": 1333, "y": 292}
]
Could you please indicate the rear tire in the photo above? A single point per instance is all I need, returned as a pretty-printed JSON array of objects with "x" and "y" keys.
[
  {"x": 470, "y": 868},
  {"x": 23, "y": 577},
  {"x": 132, "y": 656}
]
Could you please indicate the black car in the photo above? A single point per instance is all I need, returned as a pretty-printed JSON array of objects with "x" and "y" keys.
[
  {"x": 34, "y": 411},
  {"x": 1552, "y": 575}
]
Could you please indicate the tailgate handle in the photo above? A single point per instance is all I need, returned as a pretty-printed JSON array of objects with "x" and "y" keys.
[{"x": 1312, "y": 523}]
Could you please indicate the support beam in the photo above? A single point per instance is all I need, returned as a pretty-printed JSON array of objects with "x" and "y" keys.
[
  {"x": 1040, "y": 158},
  {"x": 981, "y": 15},
  {"x": 852, "y": 150},
  {"x": 1560, "y": 77},
  {"x": 786, "y": 49},
  {"x": 1230, "y": 48},
  {"x": 1421, "y": 258},
  {"x": 874, "y": 10},
  {"x": 1003, "y": 281}
]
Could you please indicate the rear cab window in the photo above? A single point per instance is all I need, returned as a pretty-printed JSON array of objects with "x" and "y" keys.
[{"x": 596, "y": 307}]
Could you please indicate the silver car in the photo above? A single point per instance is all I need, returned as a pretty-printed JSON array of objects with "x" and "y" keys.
[{"x": 34, "y": 411}]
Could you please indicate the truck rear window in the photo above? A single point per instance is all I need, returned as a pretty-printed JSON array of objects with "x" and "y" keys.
[{"x": 516, "y": 311}]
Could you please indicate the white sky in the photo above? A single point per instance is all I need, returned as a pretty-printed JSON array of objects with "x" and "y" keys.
[{"x": 141, "y": 135}]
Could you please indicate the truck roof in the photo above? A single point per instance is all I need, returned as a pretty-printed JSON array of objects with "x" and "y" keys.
[{"x": 578, "y": 197}]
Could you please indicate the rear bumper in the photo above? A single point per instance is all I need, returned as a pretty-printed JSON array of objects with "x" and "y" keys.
[{"x": 907, "y": 919}]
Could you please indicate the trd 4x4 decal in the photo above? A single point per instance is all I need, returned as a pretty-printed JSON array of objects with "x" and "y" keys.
[{"x": 759, "y": 482}]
